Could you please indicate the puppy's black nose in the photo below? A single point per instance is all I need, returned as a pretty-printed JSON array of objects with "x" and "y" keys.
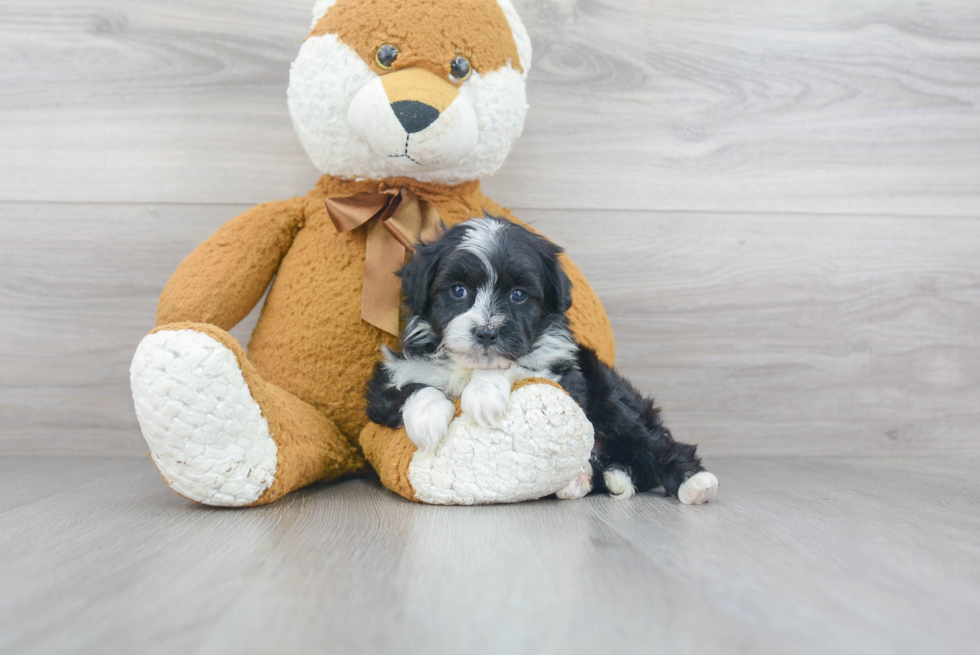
[
  {"x": 486, "y": 335},
  {"x": 413, "y": 115}
]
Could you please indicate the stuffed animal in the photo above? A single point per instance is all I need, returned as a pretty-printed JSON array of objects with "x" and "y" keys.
[{"x": 403, "y": 105}]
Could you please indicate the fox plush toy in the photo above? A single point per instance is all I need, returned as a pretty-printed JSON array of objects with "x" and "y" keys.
[{"x": 403, "y": 105}]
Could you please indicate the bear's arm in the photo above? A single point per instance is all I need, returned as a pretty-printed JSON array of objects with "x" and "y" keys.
[{"x": 224, "y": 277}]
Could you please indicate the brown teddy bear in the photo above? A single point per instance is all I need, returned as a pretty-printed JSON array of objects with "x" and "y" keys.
[{"x": 403, "y": 105}]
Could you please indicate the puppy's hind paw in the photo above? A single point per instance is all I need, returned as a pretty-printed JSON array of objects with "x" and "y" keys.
[
  {"x": 577, "y": 488},
  {"x": 427, "y": 414},
  {"x": 699, "y": 488},
  {"x": 618, "y": 483}
]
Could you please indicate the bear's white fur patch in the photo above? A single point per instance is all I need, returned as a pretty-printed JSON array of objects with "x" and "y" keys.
[
  {"x": 323, "y": 81},
  {"x": 206, "y": 433}
]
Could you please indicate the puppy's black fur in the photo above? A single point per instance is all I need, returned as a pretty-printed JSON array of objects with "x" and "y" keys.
[{"x": 492, "y": 294}]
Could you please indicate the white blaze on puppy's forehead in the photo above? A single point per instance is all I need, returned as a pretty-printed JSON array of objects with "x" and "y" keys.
[{"x": 482, "y": 238}]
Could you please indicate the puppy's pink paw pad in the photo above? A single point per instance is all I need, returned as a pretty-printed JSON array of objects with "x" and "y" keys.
[{"x": 698, "y": 489}]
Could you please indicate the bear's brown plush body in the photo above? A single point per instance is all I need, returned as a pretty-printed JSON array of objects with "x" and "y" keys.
[{"x": 227, "y": 429}]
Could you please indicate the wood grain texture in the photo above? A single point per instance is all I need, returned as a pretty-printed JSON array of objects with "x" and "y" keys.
[
  {"x": 793, "y": 334},
  {"x": 789, "y": 335},
  {"x": 818, "y": 107},
  {"x": 79, "y": 290},
  {"x": 802, "y": 556}
]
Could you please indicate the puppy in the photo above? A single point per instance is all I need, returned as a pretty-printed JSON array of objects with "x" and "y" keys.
[{"x": 487, "y": 304}]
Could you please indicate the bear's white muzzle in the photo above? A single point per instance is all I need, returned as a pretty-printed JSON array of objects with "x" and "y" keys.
[{"x": 415, "y": 120}]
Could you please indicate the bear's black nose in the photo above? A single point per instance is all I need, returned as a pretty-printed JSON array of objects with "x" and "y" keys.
[
  {"x": 413, "y": 115},
  {"x": 486, "y": 335}
]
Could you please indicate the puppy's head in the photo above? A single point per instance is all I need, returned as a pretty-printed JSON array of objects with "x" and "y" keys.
[
  {"x": 428, "y": 89},
  {"x": 484, "y": 293}
]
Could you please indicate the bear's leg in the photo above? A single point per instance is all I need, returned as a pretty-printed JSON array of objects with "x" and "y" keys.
[
  {"x": 221, "y": 435},
  {"x": 542, "y": 442}
]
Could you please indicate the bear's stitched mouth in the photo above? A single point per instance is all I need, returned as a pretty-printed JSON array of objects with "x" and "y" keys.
[{"x": 405, "y": 154}]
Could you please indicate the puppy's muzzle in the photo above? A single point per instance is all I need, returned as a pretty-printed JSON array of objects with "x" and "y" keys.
[{"x": 415, "y": 120}]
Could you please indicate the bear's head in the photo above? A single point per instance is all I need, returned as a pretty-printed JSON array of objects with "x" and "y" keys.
[{"x": 427, "y": 89}]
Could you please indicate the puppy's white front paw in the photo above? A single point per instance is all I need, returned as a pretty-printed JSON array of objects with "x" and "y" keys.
[
  {"x": 427, "y": 414},
  {"x": 699, "y": 488},
  {"x": 577, "y": 488},
  {"x": 485, "y": 397}
]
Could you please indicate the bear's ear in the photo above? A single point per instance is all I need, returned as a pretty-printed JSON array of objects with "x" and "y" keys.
[
  {"x": 320, "y": 10},
  {"x": 419, "y": 274},
  {"x": 521, "y": 38}
]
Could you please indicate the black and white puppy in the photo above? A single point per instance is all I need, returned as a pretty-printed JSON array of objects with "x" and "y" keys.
[{"x": 487, "y": 304}]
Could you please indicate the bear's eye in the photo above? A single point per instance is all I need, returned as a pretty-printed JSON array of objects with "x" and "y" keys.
[
  {"x": 518, "y": 296},
  {"x": 460, "y": 68},
  {"x": 458, "y": 292},
  {"x": 386, "y": 56}
]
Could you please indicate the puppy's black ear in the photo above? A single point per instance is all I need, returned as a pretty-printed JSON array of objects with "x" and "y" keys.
[
  {"x": 417, "y": 276},
  {"x": 558, "y": 291}
]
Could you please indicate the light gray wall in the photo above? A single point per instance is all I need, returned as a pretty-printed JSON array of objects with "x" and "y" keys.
[{"x": 778, "y": 205}]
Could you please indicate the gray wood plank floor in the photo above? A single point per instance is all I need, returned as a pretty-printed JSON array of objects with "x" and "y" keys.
[{"x": 819, "y": 555}]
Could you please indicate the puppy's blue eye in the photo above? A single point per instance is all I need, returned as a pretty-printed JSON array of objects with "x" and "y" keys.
[
  {"x": 518, "y": 296},
  {"x": 458, "y": 292}
]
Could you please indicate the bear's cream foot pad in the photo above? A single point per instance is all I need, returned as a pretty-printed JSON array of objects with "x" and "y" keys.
[
  {"x": 540, "y": 444},
  {"x": 206, "y": 433}
]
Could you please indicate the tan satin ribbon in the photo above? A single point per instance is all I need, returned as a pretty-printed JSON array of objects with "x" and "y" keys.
[{"x": 396, "y": 220}]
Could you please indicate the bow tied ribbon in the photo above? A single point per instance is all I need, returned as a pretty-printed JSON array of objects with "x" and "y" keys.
[{"x": 396, "y": 220}]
